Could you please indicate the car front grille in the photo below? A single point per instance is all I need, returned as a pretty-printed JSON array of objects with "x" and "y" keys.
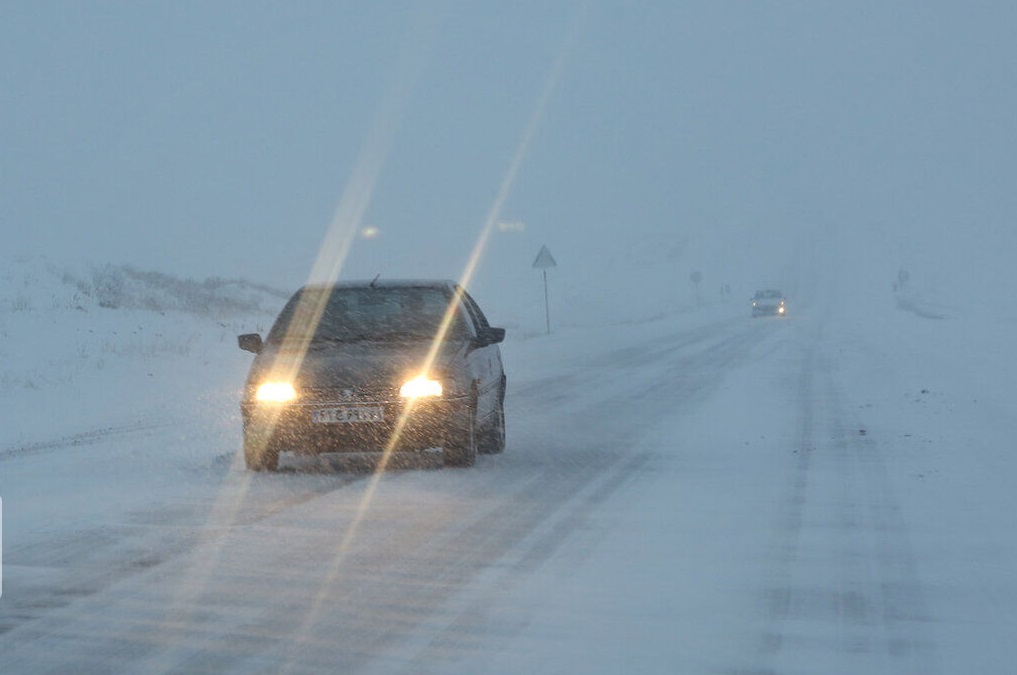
[{"x": 370, "y": 394}]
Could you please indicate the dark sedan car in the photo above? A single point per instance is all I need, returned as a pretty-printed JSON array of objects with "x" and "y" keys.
[{"x": 382, "y": 366}]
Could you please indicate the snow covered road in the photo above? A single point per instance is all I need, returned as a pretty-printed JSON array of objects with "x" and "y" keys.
[{"x": 700, "y": 494}]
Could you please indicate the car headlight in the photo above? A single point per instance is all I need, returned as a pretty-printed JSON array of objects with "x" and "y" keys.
[
  {"x": 275, "y": 392},
  {"x": 420, "y": 387}
]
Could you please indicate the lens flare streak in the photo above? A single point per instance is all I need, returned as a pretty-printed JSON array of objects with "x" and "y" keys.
[{"x": 480, "y": 246}]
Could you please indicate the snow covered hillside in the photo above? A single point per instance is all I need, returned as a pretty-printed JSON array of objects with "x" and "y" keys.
[{"x": 91, "y": 350}]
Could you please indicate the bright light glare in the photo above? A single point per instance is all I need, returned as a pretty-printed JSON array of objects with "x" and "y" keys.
[
  {"x": 781, "y": 309},
  {"x": 275, "y": 392},
  {"x": 420, "y": 387}
]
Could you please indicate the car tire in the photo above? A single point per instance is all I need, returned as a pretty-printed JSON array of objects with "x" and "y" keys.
[
  {"x": 460, "y": 448},
  {"x": 493, "y": 441},
  {"x": 259, "y": 453}
]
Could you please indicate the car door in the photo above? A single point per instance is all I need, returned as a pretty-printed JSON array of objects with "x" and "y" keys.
[{"x": 487, "y": 362}]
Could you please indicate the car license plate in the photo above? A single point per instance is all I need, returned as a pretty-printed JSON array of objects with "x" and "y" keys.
[{"x": 345, "y": 414}]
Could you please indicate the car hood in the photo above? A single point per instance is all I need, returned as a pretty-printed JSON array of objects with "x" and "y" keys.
[{"x": 352, "y": 364}]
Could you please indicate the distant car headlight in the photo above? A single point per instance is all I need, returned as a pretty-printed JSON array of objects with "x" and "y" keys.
[
  {"x": 780, "y": 310},
  {"x": 420, "y": 387},
  {"x": 275, "y": 392}
]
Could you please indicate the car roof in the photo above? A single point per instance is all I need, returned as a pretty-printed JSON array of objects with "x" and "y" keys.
[
  {"x": 385, "y": 283},
  {"x": 768, "y": 294}
]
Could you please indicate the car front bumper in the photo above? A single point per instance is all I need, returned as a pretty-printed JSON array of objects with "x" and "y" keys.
[{"x": 404, "y": 426}]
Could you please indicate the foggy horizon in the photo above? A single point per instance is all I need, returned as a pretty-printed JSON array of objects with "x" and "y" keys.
[{"x": 220, "y": 141}]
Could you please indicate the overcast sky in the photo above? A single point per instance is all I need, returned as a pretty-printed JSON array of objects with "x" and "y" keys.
[{"x": 219, "y": 138}]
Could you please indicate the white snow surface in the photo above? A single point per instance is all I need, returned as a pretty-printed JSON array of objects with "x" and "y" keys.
[{"x": 685, "y": 490}]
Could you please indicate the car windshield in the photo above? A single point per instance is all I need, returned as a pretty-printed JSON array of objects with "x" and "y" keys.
[{"x": 364, "y": 313}]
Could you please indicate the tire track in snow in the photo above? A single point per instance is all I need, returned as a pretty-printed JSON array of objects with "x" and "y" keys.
[
  {"x": 843, "y": 589},
  {"x": 86, "y": 438}
]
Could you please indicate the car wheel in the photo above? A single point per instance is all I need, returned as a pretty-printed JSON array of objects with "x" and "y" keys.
[
  {"x": 460, "y": 448},
  {"x": 259, "y": 454},
  {"x": 494, "y": 437}
]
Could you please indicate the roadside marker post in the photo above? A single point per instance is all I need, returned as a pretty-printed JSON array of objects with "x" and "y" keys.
[{"x": 543, "y": 262}]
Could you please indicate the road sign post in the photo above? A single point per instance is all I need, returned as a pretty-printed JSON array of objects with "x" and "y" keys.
[
  {"x": 543, "y": 262},
  {"x": 696, "y": 277}
]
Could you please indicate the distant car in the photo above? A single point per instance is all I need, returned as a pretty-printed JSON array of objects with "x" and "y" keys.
[
  {"x": 769, "y": 303},
  {"x": 375, "y": 367}
]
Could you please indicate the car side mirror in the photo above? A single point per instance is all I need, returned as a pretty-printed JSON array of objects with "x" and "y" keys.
[
  {"x": 250, "y": 342},
  {"x": 490, "y": 336}
]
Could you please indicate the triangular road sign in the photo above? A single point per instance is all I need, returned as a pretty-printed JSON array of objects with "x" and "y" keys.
[{"x": 544, "y": 259}]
